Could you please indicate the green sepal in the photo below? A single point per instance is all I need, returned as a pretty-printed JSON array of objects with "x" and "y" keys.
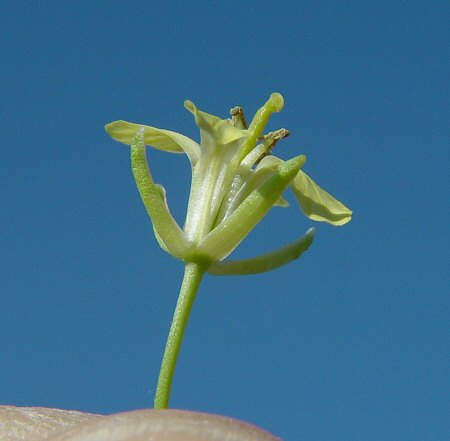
[
  {"x": 266, "y": 262},
  {"x": 226, "y": 236},
  {"x": 274, "y": 104},
  {"x": 153, "y": 196}
]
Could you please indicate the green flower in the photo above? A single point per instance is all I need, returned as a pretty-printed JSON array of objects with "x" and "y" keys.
[{"x": 235, "y": 182}]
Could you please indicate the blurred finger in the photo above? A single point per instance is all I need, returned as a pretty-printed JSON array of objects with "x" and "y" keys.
[{"x": 36, "y": 424}]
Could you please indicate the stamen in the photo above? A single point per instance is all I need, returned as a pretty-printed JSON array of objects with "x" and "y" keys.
[
  {"x": 238, "y": 118},
  {"x": 270, "y": 141}
]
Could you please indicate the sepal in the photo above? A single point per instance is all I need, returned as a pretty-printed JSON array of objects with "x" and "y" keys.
[
  {"x": 226, "y": 236},
  {"x": 266, "y": 262},
  {"x": 169, "y": 234}
]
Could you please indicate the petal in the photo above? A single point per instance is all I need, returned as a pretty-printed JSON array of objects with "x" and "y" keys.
[
  {"x": 318, "y": 204},
  {"x": 220, "y": 129},
  {"x": 266, "y": 262},
  {"x": 281, "y": 202},
  {"x": 160, "y": 139}
]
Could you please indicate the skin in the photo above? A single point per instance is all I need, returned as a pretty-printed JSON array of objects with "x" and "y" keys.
[{"x": 38, "y": 424}]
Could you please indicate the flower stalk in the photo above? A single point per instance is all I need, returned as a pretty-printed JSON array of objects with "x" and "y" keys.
[{"x": 193, "y": 273}]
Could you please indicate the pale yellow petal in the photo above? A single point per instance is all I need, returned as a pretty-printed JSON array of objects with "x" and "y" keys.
[
  {"x": 160, "y": 139},
  {"x": 317, "y": 203}
]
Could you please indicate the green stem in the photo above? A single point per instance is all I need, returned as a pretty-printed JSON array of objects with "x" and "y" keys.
[{"x": 193, "y": 274}]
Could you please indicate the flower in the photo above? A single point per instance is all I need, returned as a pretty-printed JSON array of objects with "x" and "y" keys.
[{"x": 235, "y": 182}]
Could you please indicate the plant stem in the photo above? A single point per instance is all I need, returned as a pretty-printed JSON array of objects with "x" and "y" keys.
[{"x": 193, "y": 273}]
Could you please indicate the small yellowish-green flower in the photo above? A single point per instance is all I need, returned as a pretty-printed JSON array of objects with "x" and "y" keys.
[{"x": 235, "y": 182}]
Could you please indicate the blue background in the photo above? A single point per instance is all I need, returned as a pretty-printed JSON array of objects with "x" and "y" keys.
[{"x": 351, "y": 342}]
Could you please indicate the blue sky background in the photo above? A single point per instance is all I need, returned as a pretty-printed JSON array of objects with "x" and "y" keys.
[{"x": 351, "y": 342}]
